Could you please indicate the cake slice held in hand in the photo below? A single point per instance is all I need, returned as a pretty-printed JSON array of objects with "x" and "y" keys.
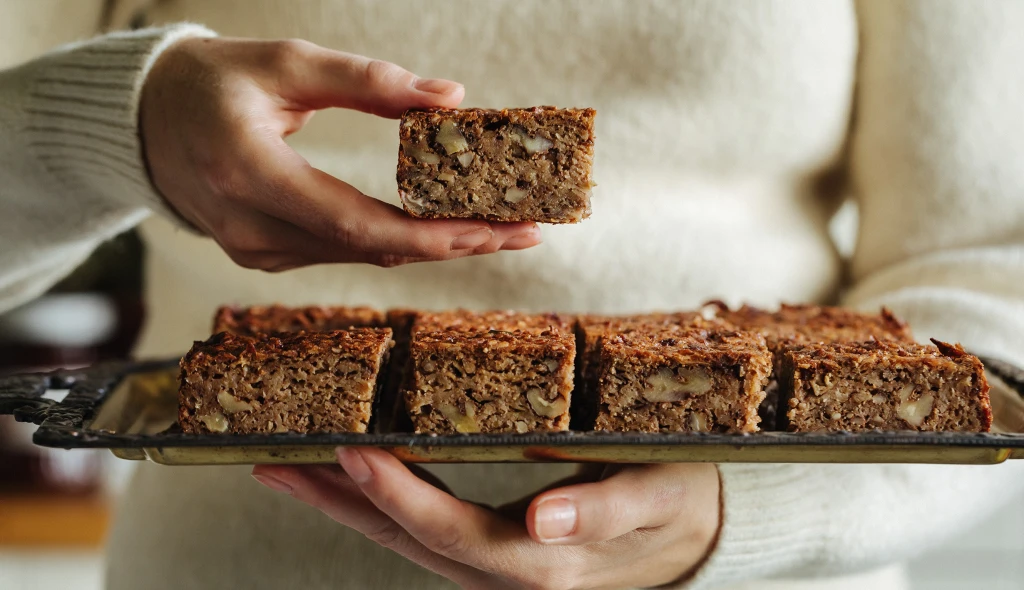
[
  {"x": 672, "y": 380},
  {"x": 301, "y": 382},
  {"x": 510, "y": 165},
  {"x": 883, "y": 385}
]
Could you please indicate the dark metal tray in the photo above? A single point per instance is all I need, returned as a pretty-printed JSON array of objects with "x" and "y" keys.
[{"x": 130, "y": 408}]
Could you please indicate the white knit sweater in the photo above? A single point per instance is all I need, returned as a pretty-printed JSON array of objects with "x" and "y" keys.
[{"x": 727, "y": 134}]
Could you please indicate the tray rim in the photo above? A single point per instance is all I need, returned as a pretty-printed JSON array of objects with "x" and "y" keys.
[{"x": 64, "y": 424}]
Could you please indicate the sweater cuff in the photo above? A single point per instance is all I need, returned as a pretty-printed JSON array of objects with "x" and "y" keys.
[
  {"x": 83, "y": 114},
  {"x": 774, "y": 521}
]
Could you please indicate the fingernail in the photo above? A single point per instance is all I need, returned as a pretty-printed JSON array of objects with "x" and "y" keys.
[
  {"x": 354, "y": 465},
  {"x": 521, "y": 241},
  {"x": 436, "y": 86},
  {"x": 273, "y": 483},
  {"x": 472, "y": 239},
  {"x": 555, "y": 519}
]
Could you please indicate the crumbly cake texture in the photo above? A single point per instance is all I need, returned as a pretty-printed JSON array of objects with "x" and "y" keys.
[
  {"x": 418, "y": 324},
  {"x": 285, "y": 382},
  {"x": 263, "y": 319},
  {"x": 467, "y": 380},
  {"x": 590, "y": 332},
  {"x": 696, "y": 380},
  {"x": 531, "y": 164},
  {"x": 883, "y": 385},
  {"x": 793, "y": 324},
  {"x": 276, "y": 368}
]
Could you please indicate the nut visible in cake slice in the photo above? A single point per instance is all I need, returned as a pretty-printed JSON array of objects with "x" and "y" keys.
[
  {"x": 297, "y": 382},
  {"x": 466, "y": 379},
  {"x": 702, "y": 378},
  {"x": 531, "y": 164},
  {"x": 883, "y": 385}
]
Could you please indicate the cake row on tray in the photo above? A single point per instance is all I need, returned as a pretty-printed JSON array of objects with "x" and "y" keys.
[{"x": 800, "y": 368}]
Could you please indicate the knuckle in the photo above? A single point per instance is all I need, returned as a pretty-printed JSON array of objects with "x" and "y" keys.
[
  {"x": 283, "y": 267},
  {"x": 344, "y": 233},
  {"x": 387, "y": 536},
  {"x": 430, "y": 246},
  {"x": 615, "y": 513},
  {"x": 285, "y": 51},
  {"x": 236, "y": 238},
  {"x": 246, "y": 259},
  {"x": 488, "y": 248},
  {"x": 224, "y": 179},
  {"x": 390, "y": 261},
  {"x": 449, "y": 542},
  {"x": 385, "y": 73},
  {"x": 548, "y": 578}
]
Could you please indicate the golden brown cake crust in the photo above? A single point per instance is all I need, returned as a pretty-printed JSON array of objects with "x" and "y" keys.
[
  {"x": 814, "y": 323},
  {"x": 262, "y": 319},
  {"x": 503, "y": 320}
]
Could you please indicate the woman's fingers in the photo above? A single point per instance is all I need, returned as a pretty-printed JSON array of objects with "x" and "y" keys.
[
  {"x": 314, "y": 77},
  {"x": 633, "y": 498},
  {"x": 343, "y": 224},
  {"x": 516, "y": 510},
  {"x": 213, "y": 121},
  {"x": 282, "y": 184},
  {"x": 460, "y": 530},
  {"x": 328, "y": 489}
]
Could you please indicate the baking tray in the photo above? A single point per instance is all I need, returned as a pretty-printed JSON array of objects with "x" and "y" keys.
[{"x": 130, "y": 408}]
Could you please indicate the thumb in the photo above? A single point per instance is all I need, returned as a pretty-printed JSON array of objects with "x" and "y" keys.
[
  {"x": 314, "y": 77},
  {"x": 637, "y": 497}
]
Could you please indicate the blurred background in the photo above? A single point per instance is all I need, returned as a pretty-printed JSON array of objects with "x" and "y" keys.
[{"x": 56, "y": 506}]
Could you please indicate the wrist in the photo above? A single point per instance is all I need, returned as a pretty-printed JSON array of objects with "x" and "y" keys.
[{"x": 174, "y": 62}]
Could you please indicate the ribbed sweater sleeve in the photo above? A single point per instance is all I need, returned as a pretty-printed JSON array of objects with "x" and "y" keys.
[
  {"x": 935, "y": 167},
  {"x": 71, "y": 166}
]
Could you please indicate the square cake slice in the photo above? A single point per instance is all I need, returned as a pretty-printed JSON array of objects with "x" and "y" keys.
[
  {"x": 792, "y": 324},
  {"x": 591, "y": 330},
  {"x": 696, "y": 380},
  {"x": 530, "y": 164},
  {"x": 490, "y": 381},
  {"x": 883, "y": 385},
  {"x": 286, "y": 382},
  {"x": 264, "y": 319}
]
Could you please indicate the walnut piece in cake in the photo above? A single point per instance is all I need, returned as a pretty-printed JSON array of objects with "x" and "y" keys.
[
  {"x": 286, "y": 382},
  {"x": 590, "y": 333},
  {"x": 489, "y": 380},
  {"x": 884, "y": 385},
  {"x": 530, "y": 164},
  {"x": 695, "y": 380},
  {"x": 792, "y": 324}
]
